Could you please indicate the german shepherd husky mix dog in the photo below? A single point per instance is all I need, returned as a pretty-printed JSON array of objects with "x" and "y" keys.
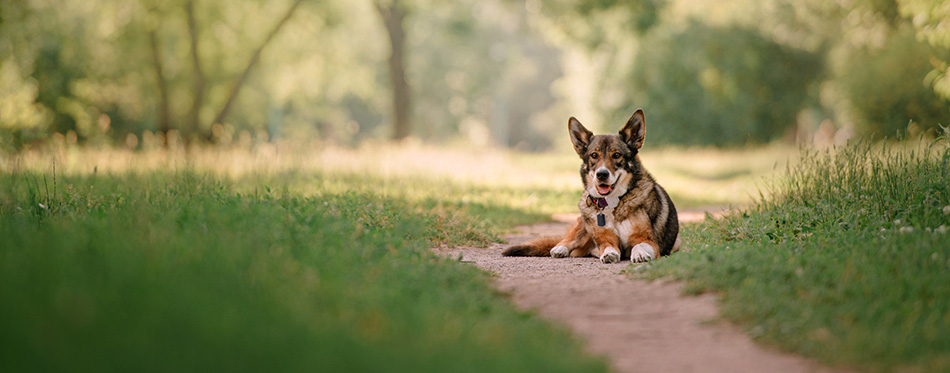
[{"x": 624, "y": 212}]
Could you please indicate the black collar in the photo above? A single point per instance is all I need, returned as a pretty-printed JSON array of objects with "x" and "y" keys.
[{"x": 600, "y": 202}]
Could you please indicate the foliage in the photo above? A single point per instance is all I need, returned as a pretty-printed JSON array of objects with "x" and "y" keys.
[
  {"x": 846, "y": 261},
  {"x": 708, "y": 85},
  {"x": 94, "y": 65},
  {"x": 635, "y": 17},
  {"x": 885, "y": 87},
  {"x": 484, "y": 75},
  {"x": 499, "y": 71},
  {"x": 929, "y": 18},
  {"x": 321, "y": 77},
  {"x": 22, "y": 116},
  {"x": 878, "y": 77},
  {"x": 183, "y": 271}
]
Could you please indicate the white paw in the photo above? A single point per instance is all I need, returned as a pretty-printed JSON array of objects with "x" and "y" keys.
[
  {"x": 642, "y": 252},
  {"x": 559, "y": 251},
  {"x": 610, "y": 255}
]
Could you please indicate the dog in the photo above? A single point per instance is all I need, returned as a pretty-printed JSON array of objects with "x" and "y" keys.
[{"x": 624, "y": 212}]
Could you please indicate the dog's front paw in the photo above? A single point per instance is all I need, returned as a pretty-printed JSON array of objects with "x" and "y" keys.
[
  {"x": 642, "y": 252},
  {"x": 559, "y": 251},
  {"x": 610, "y": 255}
]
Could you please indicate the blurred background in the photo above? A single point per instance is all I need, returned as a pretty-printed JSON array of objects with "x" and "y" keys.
[{"x": 503, "y": 73}]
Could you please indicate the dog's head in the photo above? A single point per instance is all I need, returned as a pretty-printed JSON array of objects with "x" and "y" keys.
[{"x": 610, "y": 161}]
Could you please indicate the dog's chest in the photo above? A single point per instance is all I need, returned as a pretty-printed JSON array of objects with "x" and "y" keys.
[{"x": 625, "y": 225}]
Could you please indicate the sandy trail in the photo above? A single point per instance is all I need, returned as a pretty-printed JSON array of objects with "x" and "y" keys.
[{"x": 640, "y": 326}]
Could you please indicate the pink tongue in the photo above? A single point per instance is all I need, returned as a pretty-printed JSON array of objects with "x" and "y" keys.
[{"x": 603, "y": 189}]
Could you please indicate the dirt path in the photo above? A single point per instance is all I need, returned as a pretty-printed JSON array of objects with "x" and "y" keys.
[{"x": 640, "y": 326}]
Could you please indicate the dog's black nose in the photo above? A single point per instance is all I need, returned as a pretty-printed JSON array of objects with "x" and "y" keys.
[{"x": 602, "y": 174}]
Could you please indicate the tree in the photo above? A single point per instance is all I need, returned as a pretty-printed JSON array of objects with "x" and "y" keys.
[
  {"x": 21, "y": 118},
  {"x": 252, "y": 62},
  {"x": 164, "y": 112},
  {"x": 393, "y": 14},
  {"x": 930, "y": 19},
  {"x": 198, "y": 83},
  {"x": 884, "y": 99},
  {"x": 708, "y": 85}
]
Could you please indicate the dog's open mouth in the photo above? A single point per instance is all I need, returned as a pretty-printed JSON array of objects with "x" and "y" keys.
[{"x": 605, "y": 189}]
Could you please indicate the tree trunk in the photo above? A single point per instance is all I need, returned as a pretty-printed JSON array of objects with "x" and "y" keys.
[
  {"x": 198, "y": 84},
  {"x": 393, "y": 16},
  {"x": 250, "y": 65},
  {"x": 164, "y": 120}
]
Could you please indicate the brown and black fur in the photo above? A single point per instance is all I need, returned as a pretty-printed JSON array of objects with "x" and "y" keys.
[{"x": 643, "y": 214}]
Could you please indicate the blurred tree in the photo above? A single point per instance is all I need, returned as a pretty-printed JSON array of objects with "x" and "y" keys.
[
  {"x": 393, "y": 14},
  {"x": 876, "y": 82},
  {"x": 103, "y": 68},
  {"x": 486, "y": 76},
  {"x": 38, "y": 71},
  {"x": 600, "y": 22},
  {"x": 930, "y": 17},
  {"x": 506, "y": 71},
  {"x": 21, "y": 117},
  {"x": 870, "y": 72},
  {"x": 596, "y": 43},
  {"x": 642, "y": 14},
  {"x": 198, "y": 83},
  {"x": 719, "y": 86},
  {"x": 255, "y": 57},
  {"x": 884, "y": 85},
  {"x": 164, "y": 113}
]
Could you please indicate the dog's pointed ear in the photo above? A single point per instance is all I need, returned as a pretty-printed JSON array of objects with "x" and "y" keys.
[
  {"x": 580, "y": 136},
  {"x": 635, "y": 130}
]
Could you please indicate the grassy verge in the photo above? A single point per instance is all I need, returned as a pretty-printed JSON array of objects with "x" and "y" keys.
[
  {"x": 289, "y": 258},
  {"x": 171, "y": 271},
  {"x": 847, "y": 261}
]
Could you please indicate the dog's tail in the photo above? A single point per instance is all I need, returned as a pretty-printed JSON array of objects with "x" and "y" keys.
[{"x": 536, "y": 247}]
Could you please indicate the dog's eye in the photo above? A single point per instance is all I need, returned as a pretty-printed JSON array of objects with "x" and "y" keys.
[
  {"x": 594, "y": 155},
  {"x": 616, "y": 155}
]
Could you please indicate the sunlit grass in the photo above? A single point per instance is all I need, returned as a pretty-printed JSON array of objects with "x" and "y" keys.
[
  {"x": 543, "y": 182},
  {"x": 706, "y": 176},
  {"x": 846, "y": 261}
]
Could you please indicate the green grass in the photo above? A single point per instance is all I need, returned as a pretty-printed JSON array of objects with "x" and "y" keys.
[
  {"x": 293, "y": 271},
  {"x": 292, "y": 258},
  {"x": 847, "y": 261}
]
